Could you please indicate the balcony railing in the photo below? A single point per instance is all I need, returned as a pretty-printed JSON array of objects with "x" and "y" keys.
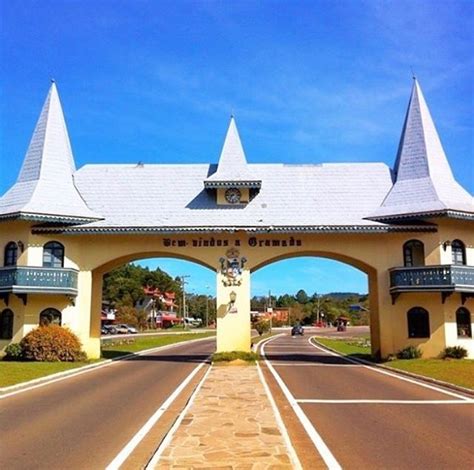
[
  {"x": 444, "y": 278},
  {"x": 29, "y": 280}
]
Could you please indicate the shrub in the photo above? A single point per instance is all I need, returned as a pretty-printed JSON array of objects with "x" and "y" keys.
[
  {"x": 262, "y": 327},
  {"x": 13, "y": 352},
  {"x": 52, "y": 343},
  {"x": 234, "y": 355},
  {"x": 455, "y": 352},
  {"x": 410, "y": 352}
]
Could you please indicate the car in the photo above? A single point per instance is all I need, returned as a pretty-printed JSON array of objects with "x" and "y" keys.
[
  {"x": 108, "y": 330},
  {"x": 297, "y": 330},
  {"x": 124, "y": 329}
]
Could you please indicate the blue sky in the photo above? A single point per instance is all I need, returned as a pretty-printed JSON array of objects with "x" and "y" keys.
[{"x": 309, "y": 81}]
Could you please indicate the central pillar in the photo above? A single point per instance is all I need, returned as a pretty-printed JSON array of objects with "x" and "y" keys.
[{"x": 233, "y": 314}]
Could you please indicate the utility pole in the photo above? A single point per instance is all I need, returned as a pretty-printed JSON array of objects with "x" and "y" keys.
[
  {"x": 270, "y": 308},
  {"x": 317, "y": 311},
  {"x": 183, "y": 286},
  {"x": 207, "y": 306}
]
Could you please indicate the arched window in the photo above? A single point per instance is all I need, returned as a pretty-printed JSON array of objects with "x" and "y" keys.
[
  {"x": 50, "y": 316},
  {"x": 463, "y": 322},
  {"x": 11, "y": 254},
  {"x": 458, "y": 251},
  {"x": 414, "y": 253},
  {"x": 6, "y": 324},
  {"x": 418, "y": 323},
  {"x": 53, "y": 255}
]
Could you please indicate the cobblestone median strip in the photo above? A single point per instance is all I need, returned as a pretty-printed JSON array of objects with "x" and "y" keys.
[{"x": 230, "y": 424}]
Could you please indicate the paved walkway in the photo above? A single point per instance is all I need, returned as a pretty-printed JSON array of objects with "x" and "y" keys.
[{"x": 230, "y": 425}]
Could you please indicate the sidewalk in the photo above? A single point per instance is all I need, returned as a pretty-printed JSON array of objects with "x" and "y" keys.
[{"x": 230, "y": 424}]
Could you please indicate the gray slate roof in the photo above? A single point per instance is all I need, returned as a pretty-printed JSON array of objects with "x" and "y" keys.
[
  {"x": 424, "y": 183},
  {"x": 232, "y": 169},
  {"x": 169, "y": 198},
  {"x": 45, "y": 187},
  {"x": 164, "y": 196}
]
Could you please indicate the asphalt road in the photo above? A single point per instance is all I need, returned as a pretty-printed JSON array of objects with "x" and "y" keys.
[
  {"x": 368, "y": 419},
  {"x": 85, "y": 421}
]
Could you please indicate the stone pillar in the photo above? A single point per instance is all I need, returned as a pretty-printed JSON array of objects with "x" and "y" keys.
[
  {"x": 88, "y": 306},
  {"x": 233, "y": 318},
  {"x": 382, "y": 317}
]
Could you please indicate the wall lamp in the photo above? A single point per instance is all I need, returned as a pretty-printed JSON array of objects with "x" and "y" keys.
[
  {"x": 21, "y": 245},
  {"x": 446, "y": 244},
  {"x": 233, "y": 297}
]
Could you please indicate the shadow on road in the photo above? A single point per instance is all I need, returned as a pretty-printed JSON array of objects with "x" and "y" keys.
[
  {"x": 314, "y": 358},
  {"x": 191, "y": 358}
]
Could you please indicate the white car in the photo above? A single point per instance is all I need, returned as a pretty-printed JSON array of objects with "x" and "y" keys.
[{"x": 124, "y": 329}]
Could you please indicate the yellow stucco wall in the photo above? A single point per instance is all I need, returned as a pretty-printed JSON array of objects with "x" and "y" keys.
[{"x": 373, "y": 253}]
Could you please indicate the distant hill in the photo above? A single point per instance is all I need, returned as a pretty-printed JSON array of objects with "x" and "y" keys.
[{"x": 344, "y": 295}]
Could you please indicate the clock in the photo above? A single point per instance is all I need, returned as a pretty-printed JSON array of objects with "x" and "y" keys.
[{"x": 233, "y": 195}]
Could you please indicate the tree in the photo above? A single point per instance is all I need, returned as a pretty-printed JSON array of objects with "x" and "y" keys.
[
  {"x": 124, "y": 286},
  {"x": 302, "y": 297},
  {"x": 286, "y": 300}
]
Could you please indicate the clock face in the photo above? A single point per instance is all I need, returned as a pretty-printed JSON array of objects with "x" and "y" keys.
[{"x": 233, "y": 196}]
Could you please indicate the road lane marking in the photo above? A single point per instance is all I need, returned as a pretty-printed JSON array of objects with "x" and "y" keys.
[
  {"x": 391, "y": 374},
  {"x": 284, "y": 432},
  {"x": 43, "y": 381},
  {"x": 317, "y": 440},
  {"x": 165, "y": 442},
  {"x": 390, "y": 402},
  {"x": 306, "y": 364},
  {"x": 138, "y": 437}
]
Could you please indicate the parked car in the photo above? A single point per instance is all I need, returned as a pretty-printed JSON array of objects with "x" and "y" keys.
[
  {"x": 108, "y": 330},
  {"x": 297, "y": 330},
  {"x": 124, "y": 329}
]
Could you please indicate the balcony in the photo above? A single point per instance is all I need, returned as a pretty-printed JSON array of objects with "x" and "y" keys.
[
  {"x": 23, "y": 280},
  {"x": 445, "y": 279}
]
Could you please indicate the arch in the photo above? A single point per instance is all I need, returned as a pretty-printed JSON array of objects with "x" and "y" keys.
[
  {"x": 10, "y": 254},
  {"x": 53, "y": 255},
  {"x": 117, "y": 262},
  {"x": 418, "y": 320},
  {"x": 354, "y": 262},
  {"x": 413, "y": 253},
  {"x": 463, "y": 322},
  {"x": 50, "y": 316},
  {"x": 6, "y": 324},
  {"x": 458, "y": 252}
]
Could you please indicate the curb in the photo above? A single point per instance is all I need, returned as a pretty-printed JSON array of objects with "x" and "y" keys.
[
  {"x": 423, "y": 378},
  {"x": 81, "y": 370}
]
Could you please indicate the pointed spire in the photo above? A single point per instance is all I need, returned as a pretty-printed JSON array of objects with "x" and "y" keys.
[
  {"x": 232, "y": 169},
  {"x": 424, "y": 182},
  {"x": 45, "y": 185},
  {"x": 49, "y": 147}
]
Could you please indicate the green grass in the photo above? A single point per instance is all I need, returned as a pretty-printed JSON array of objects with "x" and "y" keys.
[
  {"x": 121, "y": 347},
  {"x": 354, "y": 347},
  {"x": 234, "y": 355},
  {"x": 454, "y": 371},
  {"x": 12, "y": 372}
]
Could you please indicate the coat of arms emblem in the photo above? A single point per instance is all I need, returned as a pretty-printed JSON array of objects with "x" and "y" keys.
[{"x": 231, "y": 267}]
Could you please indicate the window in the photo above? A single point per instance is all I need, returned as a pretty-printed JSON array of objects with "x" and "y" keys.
[
  {"x": 458, "y": 251},
  {"x": 6, "y": 324},
  {"x": 418, "y": 323},
  {"x": 414, "y": 253},
  {"x": 463, "y": 322},
  {"x": 11, "y": 254},
  {"x": 50, "y": 316},
  {"x": 53, "y": 255}
]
